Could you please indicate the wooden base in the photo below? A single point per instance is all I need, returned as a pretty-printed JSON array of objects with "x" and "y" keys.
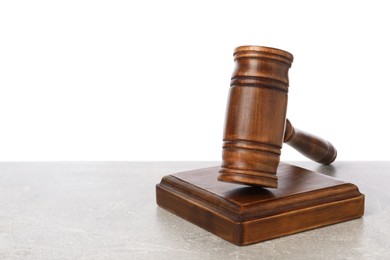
[{"x": 245, "y": 215}]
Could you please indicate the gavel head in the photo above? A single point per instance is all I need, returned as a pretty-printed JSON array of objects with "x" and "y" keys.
[{"x": 255, "y": 116}]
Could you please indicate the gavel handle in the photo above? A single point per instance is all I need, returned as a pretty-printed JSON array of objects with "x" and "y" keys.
[{"x": 311, "y": 146}]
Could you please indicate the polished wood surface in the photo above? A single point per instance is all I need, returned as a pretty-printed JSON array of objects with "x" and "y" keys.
[
  {"x": 244, "y": 215},
  {"x": 311, "y": 146},
  {"x": 231, "y": 201},
  {"x": 255, "y": 116}
]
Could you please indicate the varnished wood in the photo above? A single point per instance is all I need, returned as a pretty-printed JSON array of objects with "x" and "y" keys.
[
  {"x": 255, "y": 116},
  {"x": 244, "y": 215},
  {"x": 313, "y": 147},
  {"x": 255, "y": 129}
]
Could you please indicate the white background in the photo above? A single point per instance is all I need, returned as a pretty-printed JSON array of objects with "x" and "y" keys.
[{"x": 148, "y": 80}]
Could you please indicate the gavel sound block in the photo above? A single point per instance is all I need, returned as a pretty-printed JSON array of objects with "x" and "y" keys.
[{"x": 238, "y": 208}]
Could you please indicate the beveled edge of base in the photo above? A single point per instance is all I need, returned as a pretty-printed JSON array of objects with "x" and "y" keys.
[
  {"x": 342, "y": 210},
  {"x": 265, "y": 180}
]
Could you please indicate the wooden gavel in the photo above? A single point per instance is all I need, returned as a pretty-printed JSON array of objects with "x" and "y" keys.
[{"x": 256, "y": 125}]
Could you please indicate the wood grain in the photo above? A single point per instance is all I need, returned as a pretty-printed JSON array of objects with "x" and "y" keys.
[
  {"x": 244, "y": 215},
  {"x": 255, "y": 116},
  {"x": 311, "y": 146}
]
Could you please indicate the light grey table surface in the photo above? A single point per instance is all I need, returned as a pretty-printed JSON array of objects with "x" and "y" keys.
[{"x": 107, "y": 210}]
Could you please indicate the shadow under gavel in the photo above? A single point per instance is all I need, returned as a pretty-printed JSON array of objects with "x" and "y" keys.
[{"x": 311, "y": 146}]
